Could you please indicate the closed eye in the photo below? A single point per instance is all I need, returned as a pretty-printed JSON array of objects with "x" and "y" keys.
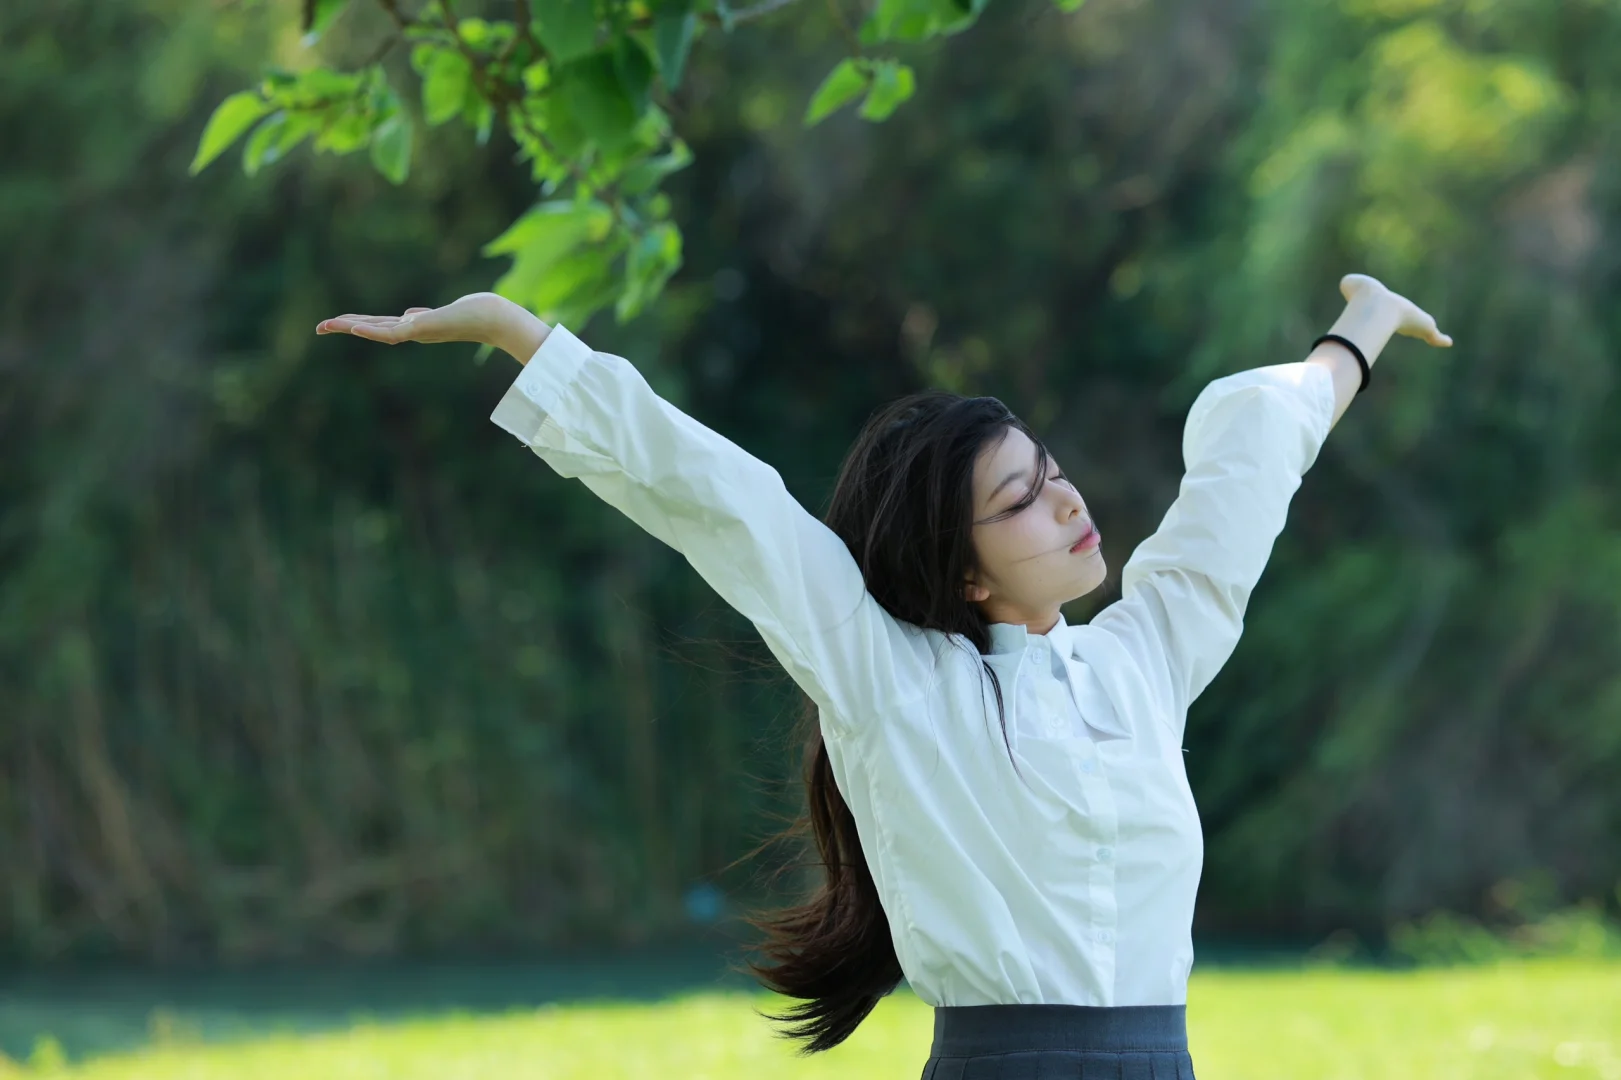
[{"x": 1055, "y": 476}]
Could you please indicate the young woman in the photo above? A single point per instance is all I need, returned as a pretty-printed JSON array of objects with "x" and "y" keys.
[{"x": 998, "y": 797}]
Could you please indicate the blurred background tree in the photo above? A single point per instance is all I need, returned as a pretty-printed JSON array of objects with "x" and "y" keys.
[{"x": 299, "y": 655}]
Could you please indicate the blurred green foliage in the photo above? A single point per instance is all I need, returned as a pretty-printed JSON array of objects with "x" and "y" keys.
[{"x": 300, "y": 655}]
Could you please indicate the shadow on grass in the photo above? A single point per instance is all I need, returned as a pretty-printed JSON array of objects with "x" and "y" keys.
[{"x": 90, "y": 1013}]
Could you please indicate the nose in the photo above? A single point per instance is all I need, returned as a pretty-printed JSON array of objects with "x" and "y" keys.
[{"x": 1071, "y": 506}]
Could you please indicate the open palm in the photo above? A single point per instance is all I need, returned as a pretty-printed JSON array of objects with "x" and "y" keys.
[{"x": 471, "y": 318}]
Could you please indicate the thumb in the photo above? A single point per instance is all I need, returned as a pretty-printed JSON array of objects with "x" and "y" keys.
[{"x": 415, "y": 310}]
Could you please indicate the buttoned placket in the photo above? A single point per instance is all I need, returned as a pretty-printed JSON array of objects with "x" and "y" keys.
[
  {"x": 1059, "y": 700},
  {"x": 1051, "y": 696}
]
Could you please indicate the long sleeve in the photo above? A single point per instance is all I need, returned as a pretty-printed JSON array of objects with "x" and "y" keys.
[
  {"x": 1248, "y": 440},
  {"x": 592, "y": 416}
]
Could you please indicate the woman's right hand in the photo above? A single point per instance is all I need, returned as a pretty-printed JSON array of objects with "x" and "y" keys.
[{"x": 481, "y": 317}]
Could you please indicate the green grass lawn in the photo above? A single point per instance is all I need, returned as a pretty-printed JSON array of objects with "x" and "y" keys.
[{"x": 1518, "y": 1020}]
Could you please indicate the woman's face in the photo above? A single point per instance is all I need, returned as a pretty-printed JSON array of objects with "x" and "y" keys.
[{"x": 1038, "y": 558}]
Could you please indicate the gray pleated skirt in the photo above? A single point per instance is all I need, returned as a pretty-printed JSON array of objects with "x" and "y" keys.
[{"x": 1060, "y": 1042}]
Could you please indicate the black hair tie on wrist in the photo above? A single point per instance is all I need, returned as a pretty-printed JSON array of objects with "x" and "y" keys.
[{"x": 1362, "y": 361}]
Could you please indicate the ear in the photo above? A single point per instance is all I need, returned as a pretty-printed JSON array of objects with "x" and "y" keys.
[{"x": 974, "y": 592}]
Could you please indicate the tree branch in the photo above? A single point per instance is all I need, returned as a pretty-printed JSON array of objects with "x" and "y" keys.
[
  {"x": 382, "y": 50},
  {"x": 393, "y": 8},
  {"x": 845, "y": 28},
  {"x": 521, "y": 25}
]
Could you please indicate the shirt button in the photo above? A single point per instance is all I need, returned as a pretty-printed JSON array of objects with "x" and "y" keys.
[
  {"x": 1088, "y": 768},
  {"x": 1105, "y": 937},
  {"x": 1105, "y": 853}
]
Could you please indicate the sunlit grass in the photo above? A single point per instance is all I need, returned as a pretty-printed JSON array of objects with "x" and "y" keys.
[{"x": 1528, "y": 1019}]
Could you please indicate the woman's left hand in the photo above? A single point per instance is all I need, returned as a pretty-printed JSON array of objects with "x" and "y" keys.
[{"x": 1380, "y": 305}]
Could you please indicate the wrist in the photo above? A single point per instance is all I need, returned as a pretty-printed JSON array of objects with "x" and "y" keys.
[
  {"x": 1370, "y": 320},
  {"x": 519, "y": 333}
]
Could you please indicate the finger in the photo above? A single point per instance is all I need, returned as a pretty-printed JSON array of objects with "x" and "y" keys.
[
  {"x": 415, "y": 310},
  {"x": 388, "y": 335},
  {"x": 348, "y": 323},
  {"x": 341, "y": 324},
  {"x": 1432, "y": 333}
]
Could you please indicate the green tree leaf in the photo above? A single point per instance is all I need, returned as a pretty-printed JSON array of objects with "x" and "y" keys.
[
  {"x": 480, "y": 116},
  {"x": 649, "y": 173},
  {"x": 537, "y": 76},
  {"x": 275, "y": 82},
  {"x": 593, "y": 94},
  {"x": 542, "y": 236},
  {"x": 274, "y": 138},
  {"x": 231, "y": 119},
  {"x": 568, "y": 28},
  {"x": 672, "y": 40},
  {"x": 892, "y": 84},
  {"x": 260, "y": 149},
  {"x": 635, "y": 71},
  {"x": 651, "y": 261},
  {"x": 580, "y": 282},
  {"x": 564, "y": 130},
  {"x": 846, "y": 82},
  {"x": 318, "y": 15},
  {"x": 322, "y": 84},
  {"x": 476, "y": 32},
  {"x": 1069, "y": 5},
  {"x": 391, "y": 147},
  {"x": 446, "y": 83},
  {"x": 918, "y": 20},
  {"x": 549, "y": 229},
  {"x": 344, "y": 132}
]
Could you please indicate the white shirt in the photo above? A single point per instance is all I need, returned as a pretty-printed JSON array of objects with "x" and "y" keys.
[{"x": 1066, "y": 873}]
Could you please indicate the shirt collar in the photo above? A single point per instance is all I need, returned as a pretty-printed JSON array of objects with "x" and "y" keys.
[{"x": 1013, "y": 637}]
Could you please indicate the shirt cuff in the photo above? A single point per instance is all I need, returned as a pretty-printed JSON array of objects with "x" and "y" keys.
[{"x": 541, "y": 390}]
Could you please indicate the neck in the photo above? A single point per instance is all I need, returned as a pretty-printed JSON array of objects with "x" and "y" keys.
[{"x": 1035, "y": 623}]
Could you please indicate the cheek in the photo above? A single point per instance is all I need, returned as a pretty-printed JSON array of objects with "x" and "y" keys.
[{"x": 1005, "y": 549}]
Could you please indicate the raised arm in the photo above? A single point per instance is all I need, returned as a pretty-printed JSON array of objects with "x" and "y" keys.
[
  {"x": 592, "y": 416},
  {"x": 1248, "y": 441}
]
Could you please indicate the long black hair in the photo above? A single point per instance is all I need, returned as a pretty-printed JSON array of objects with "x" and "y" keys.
[{"x": 904, "y": 506}]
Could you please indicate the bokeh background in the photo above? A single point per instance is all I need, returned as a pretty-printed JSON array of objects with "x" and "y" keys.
[{"x": 310, "y": 677}]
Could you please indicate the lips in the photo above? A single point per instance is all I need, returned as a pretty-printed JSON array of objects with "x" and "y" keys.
[{"x": 1089, "y": 539}]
